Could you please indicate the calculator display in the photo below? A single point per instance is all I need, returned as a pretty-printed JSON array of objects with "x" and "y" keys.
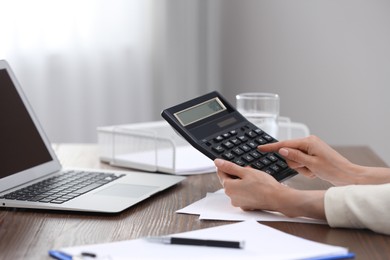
[{"x": 200, "y": 111}]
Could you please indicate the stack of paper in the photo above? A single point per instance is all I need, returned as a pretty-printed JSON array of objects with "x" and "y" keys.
[
  {"x": 217, "y": 206},
  {"x": 261, "y": 242}
]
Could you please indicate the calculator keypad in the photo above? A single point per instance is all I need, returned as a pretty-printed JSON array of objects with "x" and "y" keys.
[{"x": 240, "y": 146}]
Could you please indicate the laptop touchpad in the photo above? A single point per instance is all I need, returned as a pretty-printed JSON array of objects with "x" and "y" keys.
[{"x": 127, "y": 190}]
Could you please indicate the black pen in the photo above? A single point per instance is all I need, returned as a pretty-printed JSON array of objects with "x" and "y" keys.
[{"x": 197, "y": 242}]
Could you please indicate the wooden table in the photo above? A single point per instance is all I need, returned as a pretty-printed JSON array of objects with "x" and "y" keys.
[{"x": 29, "y": 234}]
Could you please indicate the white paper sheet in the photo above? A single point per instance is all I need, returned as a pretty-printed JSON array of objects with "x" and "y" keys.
[
  {"x": 261, "y": 242},
  {"x": 217, "y": 206}
]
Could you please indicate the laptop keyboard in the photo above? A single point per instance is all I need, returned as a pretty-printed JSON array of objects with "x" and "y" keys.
[{"x": 63, "y": 187}]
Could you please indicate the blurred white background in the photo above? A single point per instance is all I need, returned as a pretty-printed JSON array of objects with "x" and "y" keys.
[{"x": 90, "y": 63}]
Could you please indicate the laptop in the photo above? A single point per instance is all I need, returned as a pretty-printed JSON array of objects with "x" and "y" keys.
[{"x": 32, "y": 177}]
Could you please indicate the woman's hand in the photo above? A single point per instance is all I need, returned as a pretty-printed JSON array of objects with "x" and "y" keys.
[
  {"x": 248, "y": 188},
  {"x": 312, "y": 157},
  {"x": 251, "y": 189}
]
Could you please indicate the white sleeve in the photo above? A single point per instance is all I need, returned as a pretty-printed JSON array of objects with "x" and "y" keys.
[{"x": 359, "y": 206}]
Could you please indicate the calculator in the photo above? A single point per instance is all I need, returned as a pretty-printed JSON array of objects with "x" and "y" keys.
[{"x": 215, "y": 128}]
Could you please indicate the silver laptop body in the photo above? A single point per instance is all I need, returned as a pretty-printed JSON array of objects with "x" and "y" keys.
[{"x": 27, "y": 157}]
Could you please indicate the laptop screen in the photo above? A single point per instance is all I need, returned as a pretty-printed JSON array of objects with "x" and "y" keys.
[{"x": 21, "y": 146}]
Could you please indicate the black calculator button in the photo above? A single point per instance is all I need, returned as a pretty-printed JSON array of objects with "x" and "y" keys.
[
  {"x": 282, "y": 164},
  {"x": 233, "y": 132},
  {"x": 275, "y": 168},
  {"x": 248, "y": 158},
  {"x": 251, "y": 134},
  {"x": 258, "y": 165},
  {"x": 228, "y": 156},
  {"x": 228, "y": 145},
  {"x": 272, "y": 157},
  {"x": 245, "y": 148},
  {"x": 261, "y": 140},
  {"x": 265, "y": 161},
  {"x": 235, "y": 141},
  {"x": 269, "y": 171},
  {"x": 218, "y": 149},
  {"x": 226, "y": 135},
  {"x": 259, "y": 131},
  {"x": 268, "y": 138},
  {"x": 218, "y": 139},
  {"x": 239, "y": 162},
  {"x": 243, "y": 138},
  {"x": 237, "y": 151},
  {"x": 255, "y": 154},
  {"x": 252, "y": 144}
]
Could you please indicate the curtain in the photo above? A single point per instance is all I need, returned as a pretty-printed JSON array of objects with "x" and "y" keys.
[{"x": 84, "y": 64}]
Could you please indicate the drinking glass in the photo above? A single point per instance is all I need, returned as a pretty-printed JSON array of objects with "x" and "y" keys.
[{"x": 262, "y": 109}]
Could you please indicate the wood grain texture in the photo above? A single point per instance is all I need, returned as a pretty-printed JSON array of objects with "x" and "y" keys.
[{"x": 29, "y": 234}]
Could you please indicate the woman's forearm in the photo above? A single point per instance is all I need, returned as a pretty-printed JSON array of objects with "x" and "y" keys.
[
  {"x": 372, "y": 175},
  {"x": 302, "y": 203},
  {"x": 310, "y": 203}
]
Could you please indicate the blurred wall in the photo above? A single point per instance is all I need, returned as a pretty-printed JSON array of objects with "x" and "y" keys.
[
  {"x": 110, "y": 62},
  {"x": 328, "y": 60}
]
